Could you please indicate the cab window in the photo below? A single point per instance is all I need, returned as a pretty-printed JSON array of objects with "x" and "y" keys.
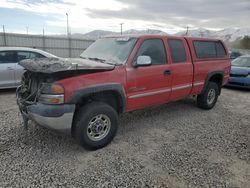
[{"x": 155, "y": 49}]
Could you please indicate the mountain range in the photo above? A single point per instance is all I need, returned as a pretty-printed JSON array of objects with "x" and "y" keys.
[
  {"x": 96, "y": 34},
  {"x": 228, "y": 34}
]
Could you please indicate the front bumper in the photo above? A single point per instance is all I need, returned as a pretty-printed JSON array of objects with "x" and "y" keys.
[
  {"x": 240, "y": 82},
  {"x": 55, "y": 117}
]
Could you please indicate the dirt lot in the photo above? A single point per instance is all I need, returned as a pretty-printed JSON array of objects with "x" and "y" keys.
[{"x": 174, "y": 145}]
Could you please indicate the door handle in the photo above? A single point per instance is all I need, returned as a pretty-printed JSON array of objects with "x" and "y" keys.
[
  {"x": 10, "y": 68},
  {"x": 167, "y": 72}
]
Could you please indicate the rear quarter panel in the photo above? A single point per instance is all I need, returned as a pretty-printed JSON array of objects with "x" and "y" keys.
[{"x": 203, "y": 67}]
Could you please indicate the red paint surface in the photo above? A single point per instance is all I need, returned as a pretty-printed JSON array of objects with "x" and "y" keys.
[{"x": 151, "y": 78}]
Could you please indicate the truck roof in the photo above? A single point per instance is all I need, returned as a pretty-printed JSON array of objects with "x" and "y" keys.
[{"x": 158, "y": 35}]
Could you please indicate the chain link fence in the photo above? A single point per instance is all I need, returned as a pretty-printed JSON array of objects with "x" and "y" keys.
[{"x": 59, "y": 46}]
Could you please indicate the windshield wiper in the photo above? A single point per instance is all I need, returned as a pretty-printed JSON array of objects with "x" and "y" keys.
[
  {"x": 93, "y": 58},
  {"x": 96, "y": 59}
]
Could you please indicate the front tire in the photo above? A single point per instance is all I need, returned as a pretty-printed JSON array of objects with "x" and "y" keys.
[
  {"x": 208, "y": 99},
  {"x": 95, "y": 125}
]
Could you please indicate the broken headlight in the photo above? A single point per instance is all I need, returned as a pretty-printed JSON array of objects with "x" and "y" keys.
[{"x": 51, "y": 94}]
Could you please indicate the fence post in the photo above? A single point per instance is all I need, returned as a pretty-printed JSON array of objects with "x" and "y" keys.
[
  {"x": 69, "y": 40},
  {"x": 43, "y": 41},
  {"x": 4, "y": 37}
]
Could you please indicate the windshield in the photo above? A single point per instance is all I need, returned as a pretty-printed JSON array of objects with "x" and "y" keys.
[
  {"x": 110, "y": 50},
  {"x": 241, "y": 62}
]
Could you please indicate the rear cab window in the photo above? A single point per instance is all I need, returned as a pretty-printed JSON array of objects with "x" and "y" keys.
[
  {"x": 177, "y": 51},
  {"x": 209, "y": 49}
]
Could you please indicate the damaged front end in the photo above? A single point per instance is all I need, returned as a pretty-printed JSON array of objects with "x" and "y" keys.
[
  {"x": 27, "y": 94},
  {"x": 41, "y": 99}
]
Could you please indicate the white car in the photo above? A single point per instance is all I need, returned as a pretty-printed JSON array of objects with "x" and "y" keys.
[{"x": 10, "y": 71}]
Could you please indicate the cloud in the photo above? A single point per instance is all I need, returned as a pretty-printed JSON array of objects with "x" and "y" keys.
[
  {"x": 167, "y": 15},
  {"x": 78, "y": 18},
  {"x": 200, "y": 13}
]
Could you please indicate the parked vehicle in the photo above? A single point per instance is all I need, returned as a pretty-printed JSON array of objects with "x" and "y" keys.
[
  {"x": 234, "y": 55},
  {"x": 10, "y": 71},
  {"x": 240, "y": 73},
  {"x": 84, "y": 96}
]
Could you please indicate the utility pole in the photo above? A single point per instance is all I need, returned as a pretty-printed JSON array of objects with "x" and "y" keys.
[
  {"x": 121, "y": 27},
  {"x": 43, "y": 40},
  {"x": 67, "y": 24},
  {"x": 187, "y": 30},
  {"x": 69, "y": 39},
  {"x": 27, "y": 30}
]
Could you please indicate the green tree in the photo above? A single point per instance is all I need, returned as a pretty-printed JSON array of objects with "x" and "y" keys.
[{"x": 245, "y": 42}]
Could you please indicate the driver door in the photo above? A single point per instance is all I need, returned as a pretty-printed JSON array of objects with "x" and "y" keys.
[{"x": 149, "y": 85}]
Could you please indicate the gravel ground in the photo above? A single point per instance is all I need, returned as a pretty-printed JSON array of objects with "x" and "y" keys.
[{"x": 173, "y": 145}]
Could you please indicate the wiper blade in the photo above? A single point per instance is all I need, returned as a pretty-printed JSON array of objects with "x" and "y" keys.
[
  {"x": 101, "y": 60},
  {"x": 96, "y": 59},
  {"x": 93, "y": 58}
]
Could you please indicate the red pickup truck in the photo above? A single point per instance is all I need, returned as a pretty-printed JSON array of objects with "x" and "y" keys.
[{"x": 84, "y": 96}]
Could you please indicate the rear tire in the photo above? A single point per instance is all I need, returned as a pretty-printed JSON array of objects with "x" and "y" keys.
[
  {"x": 95, "y": 125},
  {"x": 208, "y": 98}
]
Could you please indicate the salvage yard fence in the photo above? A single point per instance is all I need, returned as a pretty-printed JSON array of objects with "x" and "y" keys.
[{"x": 59, "y": 46}]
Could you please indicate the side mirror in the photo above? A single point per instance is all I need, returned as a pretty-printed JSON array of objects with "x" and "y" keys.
[{"x": 143, "y": 61}]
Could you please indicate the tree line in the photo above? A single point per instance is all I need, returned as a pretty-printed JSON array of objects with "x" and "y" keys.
[{"x": 243, "y": 43}]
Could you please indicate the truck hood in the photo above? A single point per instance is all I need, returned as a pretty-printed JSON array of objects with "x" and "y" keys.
[{"x": 52, "y": 65}]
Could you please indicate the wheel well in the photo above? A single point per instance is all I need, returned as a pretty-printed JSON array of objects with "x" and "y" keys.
[
  {"x": 111, "y": 98},
  {"x": 217, "y": 78}
]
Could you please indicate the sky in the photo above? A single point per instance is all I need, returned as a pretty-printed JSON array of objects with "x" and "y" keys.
[{"x": 32, "y": 16}]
